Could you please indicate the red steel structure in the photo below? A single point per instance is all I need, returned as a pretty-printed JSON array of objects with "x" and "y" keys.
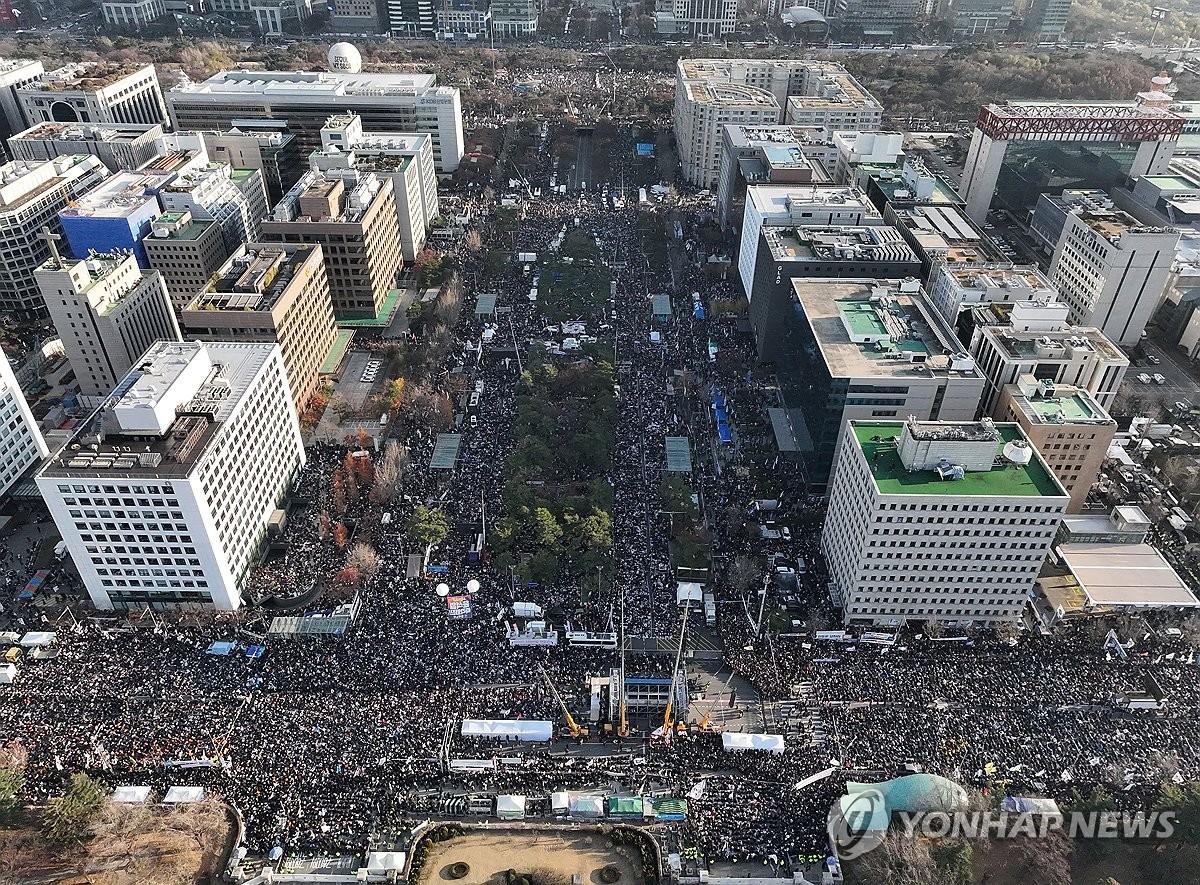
[{"x": 1070, "y": 122}]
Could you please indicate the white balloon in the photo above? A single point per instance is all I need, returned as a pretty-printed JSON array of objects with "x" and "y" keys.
[
  {"x": 472, "y": 586},
  {"x": 344, "y": 58},
  {"x": 443, "y": 589}
]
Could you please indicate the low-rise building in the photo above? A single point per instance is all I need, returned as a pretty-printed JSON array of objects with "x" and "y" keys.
[
  {"x": 94, "y": 92},
  {"x": 944, "y": 521},
  {"x": 953, "y": 288},
  {"x": 270, "y": 292},
  {"x": 163, "y": 496},
  {"x": 132, "y": 15}
]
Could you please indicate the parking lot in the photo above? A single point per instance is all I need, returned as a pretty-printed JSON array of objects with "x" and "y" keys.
[{"x": 1181, "y": 383}]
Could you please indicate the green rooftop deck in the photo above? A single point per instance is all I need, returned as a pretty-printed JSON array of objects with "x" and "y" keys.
[
  {"x": 878, "y": 442},
  {"x": 860, "y": 316},
  {"x": 1072, "y": 408}
]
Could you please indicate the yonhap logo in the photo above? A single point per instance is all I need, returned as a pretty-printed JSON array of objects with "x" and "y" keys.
[{"x": 854, "y": 826}]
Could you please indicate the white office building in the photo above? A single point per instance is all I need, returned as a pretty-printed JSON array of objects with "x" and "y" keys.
[
  {"x": 713, "y": 93},
  {"x": 305, "y": 99},
  {"x": 32, "y": 193},
  {"x": 21, "y": 444},
  {"x": 133, "y": 15},
  {"x": 1112, "y": 270},
  {"x": 164, "y": 495},
  {"x": 938, "y": 520},
  {"x": 94, "y": 92},
  {"x": 953, "y": 288},
  {"x": 1039, "y": 341},
  {"x": 107, "y": 311}
]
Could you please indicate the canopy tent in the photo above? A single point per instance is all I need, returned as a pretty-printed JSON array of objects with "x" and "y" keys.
[
  {"x": 679, "y": 454},
  {"x": 179, "y": 795},
  {"x": 131, "y": 795},
  {"x": 560, "y": 802},
  {"x": 8, "y": 673},
  {"x": 586, "y": 806},
  {"x": 625, "y": 806},
  {"x": 37, "y": 640},
  {"x": 379, "y": 862},
  {"x": 508, "y": 729},
  {"x": 1029, "y": 805},
  {"x": 668, "y": 808},
  {"x": 688, "y": 591},
  {"x": 510, "y": 807},
  {"x": 445, "y": 451},
  {"x": 735, "y": 740}
]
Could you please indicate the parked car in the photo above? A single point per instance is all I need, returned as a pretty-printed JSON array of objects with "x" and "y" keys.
[
  {"x": 1144, "y": 378},
  {"x": 1159, "y": 379}
]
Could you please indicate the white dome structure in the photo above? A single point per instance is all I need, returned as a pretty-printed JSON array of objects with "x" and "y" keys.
[
  {"x": 344, "y": 58},
  {"x": 801, "y": 15},
  {"x": 1018, "y": 452}
]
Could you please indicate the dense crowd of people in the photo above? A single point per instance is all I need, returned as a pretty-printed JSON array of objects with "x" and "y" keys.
[{"x": 323, "y": 740}]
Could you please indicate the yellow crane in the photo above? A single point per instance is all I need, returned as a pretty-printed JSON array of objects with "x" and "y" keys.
[
  {"x": 668, "y": 725},
  {"x": 572, "y": 726}
]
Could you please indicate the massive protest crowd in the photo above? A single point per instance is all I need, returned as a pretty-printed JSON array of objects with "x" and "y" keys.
[{"x": 323, "y": 740}]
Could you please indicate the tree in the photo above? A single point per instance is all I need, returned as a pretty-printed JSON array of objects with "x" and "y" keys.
[
  {"x": 743, "y": 574},
  {"x": 427, "y": 526},
  {"x": 364, "y": 559},
  {"x": 595, "y": 530},
  {"x": 68, "y": 817},
  {"x": 543, "y": 567},
  {"x": 473, "y": 240},
  {"x": 389, "y": 473},
  {"x": 953, "y": 857},
  {"x": 1185, "y": 802},
  {"x": 341, "y": 535},
  {"x": 13, "y": 759},
  {"x": 933, "y": 628},
  {"x": 544, "y": 528}
]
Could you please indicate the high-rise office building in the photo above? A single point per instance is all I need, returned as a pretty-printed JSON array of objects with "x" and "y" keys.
[
  {"x": 164, "y": 495},
  {"x": 271, "y": 292},
  {"x": 21, "y": 445},
  {"x": 94, "y": 92},
  {"x": 866, "y": 349},
  {"x": 948, "y": 521},
  {"x": 411, "y": 18},
  {"x": 1037, "y": 340},
  {"x": 1111, "y": 271},
  {"x": 265, "y": 145},
  {"x": 132, "y": 15},
  {"x": 353, "y": 217},
  {"x": 15, "y": 73},
  {"x": 1069, "y": 428},
  {"x": 107, "y": 311},
  {"x": 386, "y": 103},
  {"x": 115, "y": 214},
  {"x": 120, "y": 148},
  {"x": 31, "y": 196},
  {"x": 186, "y": 251},
  {"x": 712, "y": 93},
  {"x": 760, "y": 155},
  {"x": 406, "y": 159},
  {"x": 234, "y": 198},
  {"x": 1046, "y": 20}
]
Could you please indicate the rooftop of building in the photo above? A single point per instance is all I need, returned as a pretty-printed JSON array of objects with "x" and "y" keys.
[
  {"x": 314, "y": 86},
  {"x": 360, "y": 193},
  {"x": 1058, "y": 404},
  {"x": 709, "y": 68},
  {"x": 85, "y": 76},
  {"x": 837, "y": 243},
  {"x": 106, "y": 132},
  {"x": 730, "y": 95},
  {"x": 999, "y": 275},
  {"x": 15, "y": 64},
  {"x": 777, "y": 199},
  {"x": 878, "y": 442},
  {"x": 120, "y": 195},
  {"x": 907, "y": 339},
  {"x": 1114, "y": 224},
  {"x": 170, "y": 226},
  {"x": 163, "y": 414},
  {"x": 947, "y": 231},
  {"x": 896, "y": 190},
  {"x": 24, "y": 181},
  {"x": 779, "y": 134},
  {"x": 100, "y": 266},
  {"x": 1121, "y": 575},
  {"x": 255, "y": 280},
  {"x": 1043, "y": 346}
]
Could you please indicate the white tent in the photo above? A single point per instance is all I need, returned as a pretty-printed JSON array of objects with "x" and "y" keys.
[
  {"x": 688, "y": 591},
  {"x": 586, "y": 806},
  {"x": 37, "y": 640},
  {"x": 180, "y": 795},
  {"x": 508, "y": 729},
  {"x": 8, "y": 673},
  {"x": 131, "y": 795},
  {"x": 733, "y": 740},
  {"x": 1029, "y": 805},
  {"x": 560, "y": 802},
  {"x": 510, "y": 807},
  {"x": 379, "y": 862}
]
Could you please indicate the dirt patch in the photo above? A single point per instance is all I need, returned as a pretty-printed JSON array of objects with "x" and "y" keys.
[
  {"x": 563, "y": 855},
  {"x": 132, "y": 844}
]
